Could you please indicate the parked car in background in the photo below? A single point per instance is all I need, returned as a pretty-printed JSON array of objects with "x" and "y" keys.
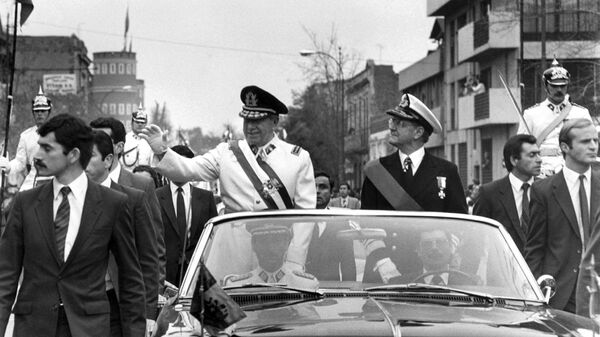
[{"x": 455, "y": 275}]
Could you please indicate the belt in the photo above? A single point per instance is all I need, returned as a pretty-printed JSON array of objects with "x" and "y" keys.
[{"x": 550, "y": 152}]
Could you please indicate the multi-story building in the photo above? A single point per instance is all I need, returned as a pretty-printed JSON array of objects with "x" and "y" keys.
[
  {"x": 116, "y": 91},
  {"x": 488, "y": 39},
  {"x": 368, "y": 95}
]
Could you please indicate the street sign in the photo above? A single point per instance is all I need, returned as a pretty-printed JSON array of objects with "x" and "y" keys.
[{"x": 60, "y": 84}]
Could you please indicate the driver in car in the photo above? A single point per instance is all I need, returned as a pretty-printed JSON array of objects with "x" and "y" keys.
[
  {"x": 270, "y": 243},
  {"x": 437, "y": 252}
]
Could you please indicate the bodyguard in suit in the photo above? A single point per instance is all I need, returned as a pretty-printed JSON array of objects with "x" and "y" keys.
[
  {"x": 185, "y": 209},
  {"x": 116, "y": 130},
  {"x": 345, "y": 200},
  {"x": 417, "y": 179},
  {"x": 329, "y": 258},
  {"x": 506, "y": 200},
  {"x": 59, "y": 236},
  {"x": 561, "y": 209},
  {"x": 145, "y": 237}
]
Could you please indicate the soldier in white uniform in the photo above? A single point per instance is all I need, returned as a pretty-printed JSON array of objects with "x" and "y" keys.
[
  {"x": 21, "y": 168},
  {"x": 270, "y": 243},
  {"x": 276, "y": 174},
  {"x": 556, "y": 108},
  {"x": 136, "y": 151}
]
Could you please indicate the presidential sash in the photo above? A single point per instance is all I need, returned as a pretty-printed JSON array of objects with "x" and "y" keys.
[
  {"x": 273, "y": 187},
  {"x": 391, "y": 190}
]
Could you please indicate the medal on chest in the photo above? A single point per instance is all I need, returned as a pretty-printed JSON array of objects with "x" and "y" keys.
[{"x": 441, "y": 183}]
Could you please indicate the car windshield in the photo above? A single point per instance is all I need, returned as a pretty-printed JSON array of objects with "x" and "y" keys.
[{"x": 361, "y": 252}]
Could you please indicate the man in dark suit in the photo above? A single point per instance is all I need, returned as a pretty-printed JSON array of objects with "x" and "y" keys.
[
  {"x": 506, "y": 200},
  {"x": 185, "y": 209},
  {"x": 60, "y": 234},
  {"x": 145, "y": 237},
  {"x": 561, "y": 209},
  {"x": 418, "y": 180},
  {"x": 328, "y": 256},
  {"x": 116, "y": 130}
]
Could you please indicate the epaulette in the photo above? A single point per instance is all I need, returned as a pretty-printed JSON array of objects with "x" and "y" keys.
[
  {"x": 577, "y": 105},
  {"x": 236, "y": 278},
  {"x": 296, "y": 150},
  {"x": 304, "y": 275}
]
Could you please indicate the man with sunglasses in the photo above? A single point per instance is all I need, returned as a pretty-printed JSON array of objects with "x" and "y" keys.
[{"x": 409, "y": 179}]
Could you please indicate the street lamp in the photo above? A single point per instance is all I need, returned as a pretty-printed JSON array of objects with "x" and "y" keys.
[{"x": 341, "y": 113}]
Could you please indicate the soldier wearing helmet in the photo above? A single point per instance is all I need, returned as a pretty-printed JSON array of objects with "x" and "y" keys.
[
  {"x": 136, "y": 151},
  {"x": 545, "y": 119},
  {"x": 21, "y": 170}
]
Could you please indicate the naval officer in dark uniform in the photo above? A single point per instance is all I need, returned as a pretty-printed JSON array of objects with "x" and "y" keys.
[{"x": 423, "y": 182}]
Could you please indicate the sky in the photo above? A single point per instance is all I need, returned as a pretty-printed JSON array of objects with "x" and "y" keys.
[{"x": 196, "y": 55}]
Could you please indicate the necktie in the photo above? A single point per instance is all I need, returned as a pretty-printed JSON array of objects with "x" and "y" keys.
[
  {"x": 437, "y": 280},
  {"x": 181, "y": 221},
  {"x": 344, "y": 203},
  {"x": 408, "y": 167},
  {"x": 61, "y": 222},
  {"x": 525, "y": 207},
  {"x": 585, "y": 213}
]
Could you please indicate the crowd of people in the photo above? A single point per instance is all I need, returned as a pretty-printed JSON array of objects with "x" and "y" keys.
[{"x": 108, "y": 219}]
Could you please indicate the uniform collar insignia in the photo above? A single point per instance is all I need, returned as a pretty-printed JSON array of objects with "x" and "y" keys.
[
  {"x": 279, "y": 275},
  {"x": 263, "y": 276}
]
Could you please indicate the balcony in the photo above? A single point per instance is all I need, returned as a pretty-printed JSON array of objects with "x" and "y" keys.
[
  {"x": 488, "y": 108},
  {"x": 443, "y": 7},
  {"x": 356, "y": 144},
  {"x": 480, "y": 39}
]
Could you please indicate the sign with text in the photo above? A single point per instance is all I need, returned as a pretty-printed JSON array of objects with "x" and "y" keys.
[{"x": 60, "y": 84}]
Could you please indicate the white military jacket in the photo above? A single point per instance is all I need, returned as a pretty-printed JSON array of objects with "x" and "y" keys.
[
  {"x": 291, "y": 163},
  {"x": 26, "y": 149},
  {"x": 539, "y": 116},
  {"x": 291, "y": 278},
  {"x": 136, "y": 152}
]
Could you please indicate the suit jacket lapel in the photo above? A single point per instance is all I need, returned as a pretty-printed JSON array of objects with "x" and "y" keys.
[
  {"x": 166, "y": 202},
  {"x": 425, "y": 172},
  {"x": 195, "y": 204},
  {"x": 594, "y": 198},
  {"x": 45, "y": 215},
  {"x": 507, "y": 199},
  {"x": 92, "y": 206},
  {"x": 562, "y": 195}
]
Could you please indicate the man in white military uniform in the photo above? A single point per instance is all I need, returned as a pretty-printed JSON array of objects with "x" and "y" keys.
[
  {"x": 257, "y": 173},
  {"x": 21, "y": 168},
  {"x": 136, "y": 151},
  {"x": 544, "y": 120},
  {"x": 270, "y": 243}
]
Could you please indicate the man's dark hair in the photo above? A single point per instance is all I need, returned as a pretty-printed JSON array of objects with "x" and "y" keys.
[
  {"x": 513, "y": 148},
  {"x": 347, "y": 186},
  {"x": 156, "y": 177},
  {"x": 183, "y": 150},
  {"x": 565, "y": 135},
  {"x": 116, "y": 127},
  {"x": 103, "y": 142},
  {"x": 324, "y": 174},
  {"x": 70, "y": 132}
]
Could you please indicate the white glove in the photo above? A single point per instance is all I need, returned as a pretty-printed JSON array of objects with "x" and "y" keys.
[
  {"x": 387, "y": 269},
  {"x": 154, "y": 136},
  {"x": 4, "y": 164}
]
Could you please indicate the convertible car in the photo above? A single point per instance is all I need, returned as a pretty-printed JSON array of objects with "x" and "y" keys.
[{"x": 362, "y": 273}]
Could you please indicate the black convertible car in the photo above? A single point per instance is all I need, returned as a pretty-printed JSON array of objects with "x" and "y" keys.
[{"x": 367, "y": 273}]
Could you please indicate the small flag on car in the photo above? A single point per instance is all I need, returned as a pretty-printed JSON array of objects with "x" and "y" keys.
[{"x": 211, "y": 305}]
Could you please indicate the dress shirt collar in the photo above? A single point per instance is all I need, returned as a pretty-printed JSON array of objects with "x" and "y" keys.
[
  {"x": 106, "y": 182},
  {"x": 517, "y": 183},
  {"x": 116, "y": 173},
  {"x": 185, "y": 187},
  {"x": 416, "y": 158},
  {"x": 572, "y": 177},
  {"x": 78, "y": 187}
]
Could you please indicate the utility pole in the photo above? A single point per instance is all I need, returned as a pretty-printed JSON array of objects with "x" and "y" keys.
[{"x": 543, "y": 40}]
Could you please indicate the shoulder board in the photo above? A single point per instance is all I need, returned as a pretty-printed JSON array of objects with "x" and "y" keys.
[
  {"x": 533, "y": 106},
  {"x": 577, "y": 105},
  {"x": 304, "y": 275},
  {"x": 236, "y": 278},
  {"x": 296, "y": 150}
]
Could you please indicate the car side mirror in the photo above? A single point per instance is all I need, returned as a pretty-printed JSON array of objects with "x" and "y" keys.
[{"x": 548, "y": 285}]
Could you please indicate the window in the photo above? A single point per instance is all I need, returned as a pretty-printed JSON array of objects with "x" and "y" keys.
[
  {"x": 121, "y": 109},
  {"x": 104, "y": 69},
  {"x": 133, "y": 69},
  {"x": 112, "y": 68},
  {"x": 104, "y": 108},
  {"x": 128, "y": 69},
  {"x": 113, "y": 109},
  {"x": 121, "y": 68},
  {"x": 128, "y": 108}
]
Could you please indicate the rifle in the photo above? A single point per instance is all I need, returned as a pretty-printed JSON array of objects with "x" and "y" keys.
[{"x": 514, "y": 102}]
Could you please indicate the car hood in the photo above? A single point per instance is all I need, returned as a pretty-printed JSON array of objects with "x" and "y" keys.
[{"x": 369, "y": 316}]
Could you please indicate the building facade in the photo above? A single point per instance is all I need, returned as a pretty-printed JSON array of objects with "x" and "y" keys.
[{"x": 116, "y": 91}]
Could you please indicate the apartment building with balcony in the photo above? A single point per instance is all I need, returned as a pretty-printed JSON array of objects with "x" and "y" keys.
[{"x": 488, "y": 39}]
